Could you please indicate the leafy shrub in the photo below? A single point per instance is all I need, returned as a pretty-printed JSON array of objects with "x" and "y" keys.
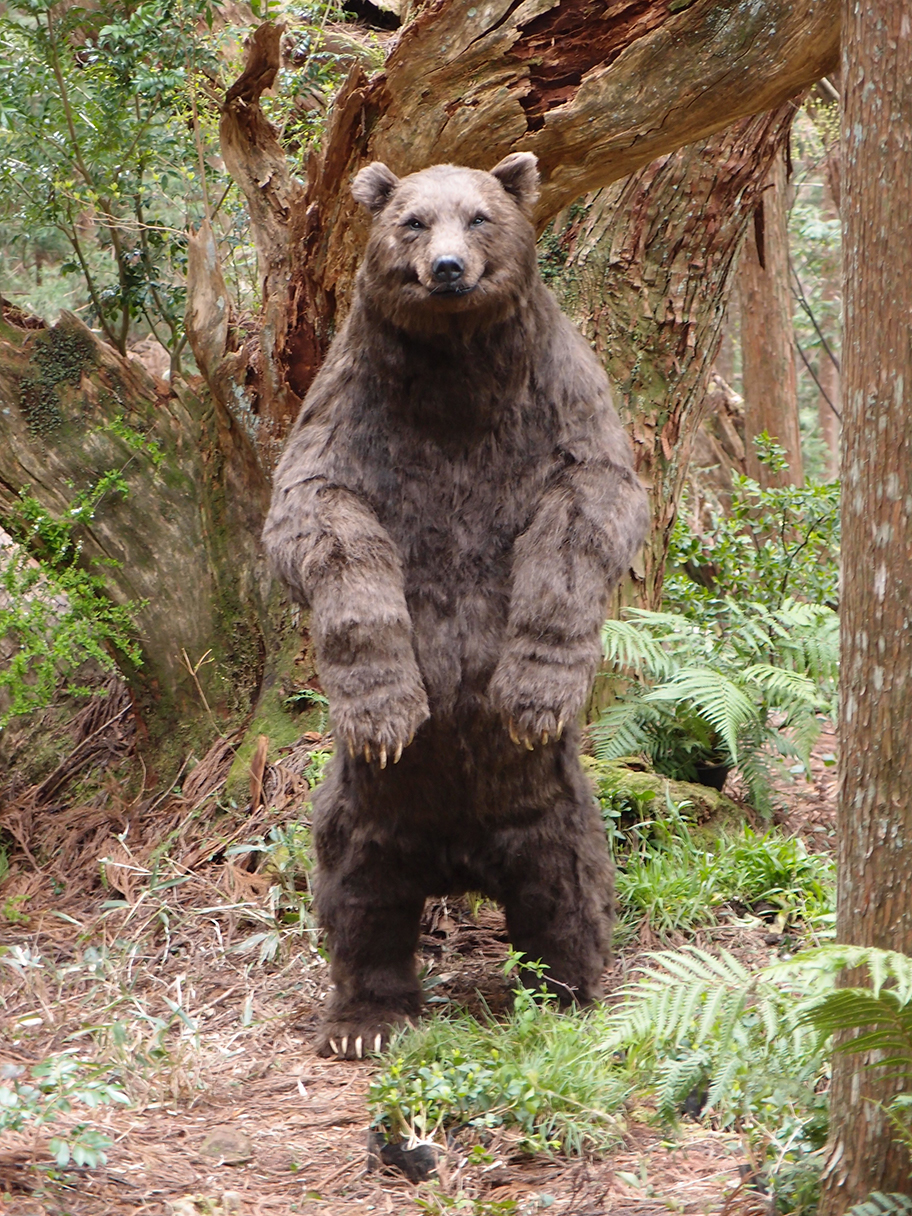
[
  {"x": 773, "y": 545},
  {"x": 535, "y": 1072}
]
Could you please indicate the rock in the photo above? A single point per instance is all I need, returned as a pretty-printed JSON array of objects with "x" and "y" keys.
[
  {"x": 418, "y": 1163},
  {"x": 228, "y": 1145}
]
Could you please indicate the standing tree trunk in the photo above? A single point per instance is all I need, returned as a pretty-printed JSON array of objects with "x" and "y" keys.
[
  {"x": 770, "y": 383},
  {"x": 875, "y": 801},
  {"x": 647, "y": 276}
]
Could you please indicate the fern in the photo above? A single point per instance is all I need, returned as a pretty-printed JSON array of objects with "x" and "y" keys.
[
  {"x": 714, "y": 697},
  {"x": 704, "y": 696},
  {"x": 880, "y": 1204}
]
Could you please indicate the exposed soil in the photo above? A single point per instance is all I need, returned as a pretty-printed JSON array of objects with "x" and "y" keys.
[{"x": 167, "y": 979}]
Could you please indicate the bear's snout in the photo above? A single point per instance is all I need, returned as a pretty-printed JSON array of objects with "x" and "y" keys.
[{"x": 448, "y": 269}]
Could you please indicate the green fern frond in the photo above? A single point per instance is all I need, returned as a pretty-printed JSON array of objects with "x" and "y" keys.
[
  {"x": 677, "y": 1077},
  {"x": 826, "y": 962},
  {"x": 880, "y": 1204},
  {"x": 622, "y": 730},
  {"x": 714, "y": 697},
  {"x": 635, "y": 649},
  {"x": 785, "y": 688}
]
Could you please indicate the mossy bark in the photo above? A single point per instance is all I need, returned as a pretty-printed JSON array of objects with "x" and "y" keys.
[{"x": 181, "y": 544}]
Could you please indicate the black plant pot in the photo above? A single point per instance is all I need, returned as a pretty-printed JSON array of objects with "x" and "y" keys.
[{"x": 712, "y": 775}]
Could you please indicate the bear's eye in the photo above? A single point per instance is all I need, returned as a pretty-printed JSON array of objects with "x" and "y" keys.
[
  {"x": 414, "y": 223},
  {"x": 478, "y": 221}
]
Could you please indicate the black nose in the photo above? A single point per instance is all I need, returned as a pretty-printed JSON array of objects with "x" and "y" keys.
[{"x": 448, "y": 270}]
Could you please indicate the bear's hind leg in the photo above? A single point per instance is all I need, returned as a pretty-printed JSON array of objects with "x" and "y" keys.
[
  {"x": 372, "y": 952},
  {"x": 369, "y": 898},
  {"x": 558, "y": 895}
]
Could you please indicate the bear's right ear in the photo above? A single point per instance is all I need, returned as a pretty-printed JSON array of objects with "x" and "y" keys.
[
  {"x": 373, "y": 186},
  {"x": 518, "y": 174}
]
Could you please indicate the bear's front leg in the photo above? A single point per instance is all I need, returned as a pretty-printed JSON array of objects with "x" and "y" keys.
[
  {"x": 330, "y": 547},
  {"x": 582, "y": 538},
  {"x": 376, "y": 696}
]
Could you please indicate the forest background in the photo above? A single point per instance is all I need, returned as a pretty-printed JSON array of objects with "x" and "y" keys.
[{"x": 178, "y": 241}]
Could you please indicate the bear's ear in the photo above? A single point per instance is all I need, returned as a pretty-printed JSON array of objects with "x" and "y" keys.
[
  {"x": 373, "y": 186},
  {"x": 518, "y": 174}
]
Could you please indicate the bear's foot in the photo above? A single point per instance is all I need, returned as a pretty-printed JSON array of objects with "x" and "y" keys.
[{"x": 356, "y": 1038}]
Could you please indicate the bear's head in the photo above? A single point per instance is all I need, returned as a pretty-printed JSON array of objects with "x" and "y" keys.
[{"x": 449, "y": 246}]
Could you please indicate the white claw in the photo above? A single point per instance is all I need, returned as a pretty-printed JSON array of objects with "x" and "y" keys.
[
  {"x": 345, "y": 1045},
  {"x": 359, "y": 1044},
  {"x": 367, "y": 752},
  {"x": 334, "y": 1046},
  {"x": 383, "y": 755},
  {"x": 544, "y": 736},
  {"x": 351, "y": 748},
  {"x": 397, "y": 754},
  {"x": 513, "y": 735},
  {"x": 560, "y": 727},
  {"x": 530, "y": 746},
  {"x": 378, "y": 1041}
]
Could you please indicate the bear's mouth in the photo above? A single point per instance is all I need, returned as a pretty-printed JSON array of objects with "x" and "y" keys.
[{"x": 452, "y": 289}]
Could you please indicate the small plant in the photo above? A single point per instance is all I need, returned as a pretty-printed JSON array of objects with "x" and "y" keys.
[
  {"x": 56, "y": 610},
  {"x": 534, "y": 1072},
  {"x": 285, "y": 855},
  {"x": 700, "y": 696},
  {"x": 52, "y": 1088}
]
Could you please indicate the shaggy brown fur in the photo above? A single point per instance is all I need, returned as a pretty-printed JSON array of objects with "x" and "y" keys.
[{"x": 454, "y": 504}]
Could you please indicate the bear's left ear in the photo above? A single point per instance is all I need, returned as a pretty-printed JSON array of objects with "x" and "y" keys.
[
  {"x": 373, "y": 186},
  {"x": 518, "y": 174}
]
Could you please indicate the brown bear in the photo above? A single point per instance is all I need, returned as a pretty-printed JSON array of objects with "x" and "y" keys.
[{"x": 454, "y": 504}]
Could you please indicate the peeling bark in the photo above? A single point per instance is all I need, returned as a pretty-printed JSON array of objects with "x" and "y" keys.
[
  {"x": 647, "y": 279},
  {"x": 874, "y": 902}
]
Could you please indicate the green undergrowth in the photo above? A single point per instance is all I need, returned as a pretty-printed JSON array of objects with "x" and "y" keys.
[
  {"x": 532, "y": 1072},
  {"x": 673, "y": 875},
  {"x": 695, "y": 1031}
]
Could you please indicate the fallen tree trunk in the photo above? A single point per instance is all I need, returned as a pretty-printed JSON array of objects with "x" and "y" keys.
[{"x": 595, "y": 89}]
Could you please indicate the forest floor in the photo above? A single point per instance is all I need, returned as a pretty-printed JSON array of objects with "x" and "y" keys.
[{"x": 158, "y": 974}]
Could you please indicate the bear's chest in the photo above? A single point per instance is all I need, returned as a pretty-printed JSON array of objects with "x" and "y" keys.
[{"x": 454, "y": 509}]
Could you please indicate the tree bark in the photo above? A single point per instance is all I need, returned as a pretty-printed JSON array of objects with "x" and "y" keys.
[
  {"x": 770, "y": 383},
  {"x": 595, "y": 89},
  {"x": 647, "y": 276},
  {"x": 875, "y": 800}
]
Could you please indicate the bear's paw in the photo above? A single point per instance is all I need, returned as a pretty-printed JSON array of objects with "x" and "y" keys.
[
  {"x": 380, "y": 725},
  {"x": 358, "y": 1038},
  {"x": 537, "y": 699}
]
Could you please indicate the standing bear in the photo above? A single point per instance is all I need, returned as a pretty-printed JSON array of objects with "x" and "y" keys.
[{"x": 454, "y": 504}]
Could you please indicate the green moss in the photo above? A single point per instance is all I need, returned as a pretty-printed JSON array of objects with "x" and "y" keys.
[
  {"x": 710, "y": 808},
  {"x": 59, "y": 356},
  {"x": 280, "y": 727}
]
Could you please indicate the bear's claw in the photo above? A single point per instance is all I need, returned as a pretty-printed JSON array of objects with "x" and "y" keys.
[{"x": 354, "y": 1041}]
